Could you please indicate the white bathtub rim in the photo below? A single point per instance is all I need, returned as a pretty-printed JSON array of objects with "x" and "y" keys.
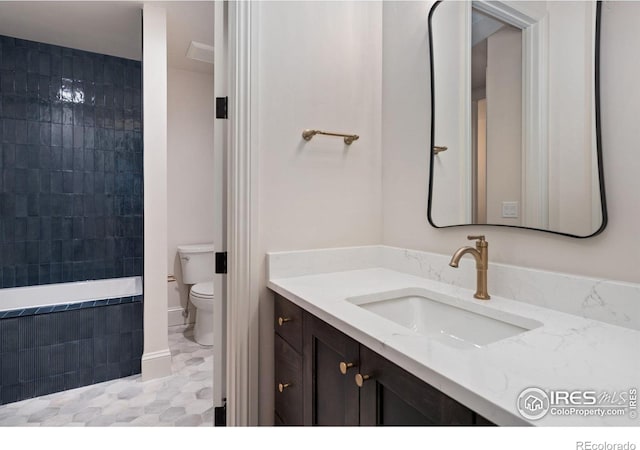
[{"x": 27, "y": 297}]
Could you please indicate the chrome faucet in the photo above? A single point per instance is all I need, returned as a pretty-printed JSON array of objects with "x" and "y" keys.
[{"x": 481, "y": 255}]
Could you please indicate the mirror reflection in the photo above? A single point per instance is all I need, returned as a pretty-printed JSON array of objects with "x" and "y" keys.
[{"x": 514, "y": 133}]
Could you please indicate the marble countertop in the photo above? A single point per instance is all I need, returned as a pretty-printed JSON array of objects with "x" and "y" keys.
[{"x": 566, "y": 353}]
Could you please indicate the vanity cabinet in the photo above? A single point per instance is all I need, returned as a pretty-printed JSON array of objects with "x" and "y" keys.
[
  {"x": 392, "y": 396},
  {"x": 288, "y": 364},
  {"x": 330, "y": 395},
  {"x": 323, "y": 377}
]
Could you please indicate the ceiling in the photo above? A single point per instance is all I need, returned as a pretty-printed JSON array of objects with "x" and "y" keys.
[
  {"x": 111, "y": 28},
  {"x": 186, "y": 22}
]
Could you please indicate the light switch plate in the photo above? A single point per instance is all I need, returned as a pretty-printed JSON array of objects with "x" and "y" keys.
[{"x": 510, "y": 210}]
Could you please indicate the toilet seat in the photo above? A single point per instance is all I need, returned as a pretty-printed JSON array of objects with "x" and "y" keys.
[{"x": 202, "y": 290}]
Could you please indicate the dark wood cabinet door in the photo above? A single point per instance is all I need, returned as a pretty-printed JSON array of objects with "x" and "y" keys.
[
  {"x": 330, "y": 397},
  {"x": 392, "y": 396},
  {"x": 288, "y": 383}
]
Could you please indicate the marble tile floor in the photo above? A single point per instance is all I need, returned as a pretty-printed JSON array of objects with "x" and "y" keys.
[{"x": 183, "y": 399}]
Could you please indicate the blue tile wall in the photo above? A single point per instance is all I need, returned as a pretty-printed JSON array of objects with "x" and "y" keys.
[
  {"x": 70, "y": 165},
  {"x": 82, "y": 344}
]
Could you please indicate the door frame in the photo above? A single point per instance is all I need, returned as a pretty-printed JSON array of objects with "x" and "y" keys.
[
  {"x": 242, "y": 218},
  {"x": 220, "y": 136}
]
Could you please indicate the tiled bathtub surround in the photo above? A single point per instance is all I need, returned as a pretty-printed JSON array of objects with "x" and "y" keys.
[
  {"x": 84, "y": 343},
  {"x": 70, "y": 163},
  {"x": 608, "y": 301}
]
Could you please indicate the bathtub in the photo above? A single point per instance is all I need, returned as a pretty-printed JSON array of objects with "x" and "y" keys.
[
  {"x": 63, "y": 336},
  {"x": 29, "y": 297}
]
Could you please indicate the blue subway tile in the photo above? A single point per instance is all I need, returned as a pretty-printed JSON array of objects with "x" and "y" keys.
[
  {"x": 137, "y": 343},
  {"x": 113, "y": 301},
  {"x": 9, "y": 368},
  {"x": 26, "y": 332},
  {"x": 72, "y": 356},
  {"x": 58, "y": 118},
  {"x": 56, "y": 383},
  {"x": 85, "y": 354},
  {"x": 27, "y": 365},
  {"x": 100, "y": 373},
  {"x": 72, "y": 380},
  {"x": 10, "y": 393},
  {"x": 9, "y": 338},
  {"x": 28, "y": 312},
  {"x": 99, "y": 351},
  {"x": 112, "y": 317},
  {"x": 113, "y": 371},
  {"x": 114, "y": 349},
  {"x": 44, "y": 310},
  {"x": 43, "y": 329},
  {"x": 45, "y": 364},
  {"x": 86, "y": 377},
  {"x": 57, "y": 360},
  {"x": 28, "y": 390}
]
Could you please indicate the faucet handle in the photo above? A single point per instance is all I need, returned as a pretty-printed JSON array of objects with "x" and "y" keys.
[{"x": 480, "y": 242}]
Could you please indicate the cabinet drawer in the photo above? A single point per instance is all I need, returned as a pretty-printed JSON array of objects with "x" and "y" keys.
[
  {"x": 288, "y": 364},
  {"x": 288, "y": 322}
]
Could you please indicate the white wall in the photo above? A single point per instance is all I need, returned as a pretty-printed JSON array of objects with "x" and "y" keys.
[
  {"x": 319, "y": 66},
  {"x": 613, "y": 254},
  {"x": 156, "y": 358},
  {"x": 189, "y": 174}
]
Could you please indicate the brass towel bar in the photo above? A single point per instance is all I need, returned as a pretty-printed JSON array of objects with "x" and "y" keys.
[{"x": 348, "y": 138}]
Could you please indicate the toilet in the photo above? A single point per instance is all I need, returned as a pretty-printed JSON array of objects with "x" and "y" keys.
[{"x": 198, "y": 267}]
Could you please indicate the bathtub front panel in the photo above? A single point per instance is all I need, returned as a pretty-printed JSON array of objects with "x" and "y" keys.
[{"x": 72, "y": 345}]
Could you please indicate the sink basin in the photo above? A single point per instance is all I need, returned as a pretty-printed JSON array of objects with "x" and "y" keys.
[{"x": 455, "y": 322}]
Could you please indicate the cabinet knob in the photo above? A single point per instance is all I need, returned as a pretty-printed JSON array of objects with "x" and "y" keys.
[
  {"x": 283, "y": 386},
  {"x": 344, "y": 366},
  {"x": 282, "y": 320},
  {"x": 360, "y": 379}
]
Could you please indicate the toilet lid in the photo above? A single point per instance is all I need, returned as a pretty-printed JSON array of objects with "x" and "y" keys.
[{"x": 203, "y": 289}]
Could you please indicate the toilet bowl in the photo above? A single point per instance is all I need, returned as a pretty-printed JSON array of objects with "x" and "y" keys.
[
  {"x": 197, "y": 262},
  {"x": 201, "y": 296}
]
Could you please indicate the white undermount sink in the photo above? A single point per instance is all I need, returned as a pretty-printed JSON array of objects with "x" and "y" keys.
[{"x": 452, "y": 321}]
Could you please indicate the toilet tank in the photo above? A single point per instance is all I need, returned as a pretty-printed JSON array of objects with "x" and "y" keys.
[{"x": 197, "y": 263}]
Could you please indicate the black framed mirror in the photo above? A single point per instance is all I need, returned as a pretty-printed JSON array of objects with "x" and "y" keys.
[{"x": 515, "y": 119}]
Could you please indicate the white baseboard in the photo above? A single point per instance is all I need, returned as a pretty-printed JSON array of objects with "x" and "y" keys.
[
  {"x": 156, "y": 364},
  {"x": 176, "y": 317}
]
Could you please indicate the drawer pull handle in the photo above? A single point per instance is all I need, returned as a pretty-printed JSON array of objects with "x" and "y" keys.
[
  {"x": 344, "y": 366},
  {"x": 283, "y": 320},
  {"x": 282, "y": 387},
  {"x": 360, "y": 379}
]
